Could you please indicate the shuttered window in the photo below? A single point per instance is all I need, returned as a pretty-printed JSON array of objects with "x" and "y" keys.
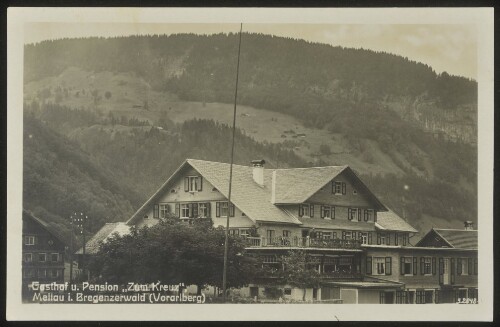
[
  {"x": 415, "y": 265},
  {"x": 156, "y": 211},
  {"x": 193, "y": 184},
  {"x": 368, "y": 265},
  {"x": 388, "y": 265},
  {"x": 433, "y": 265}
]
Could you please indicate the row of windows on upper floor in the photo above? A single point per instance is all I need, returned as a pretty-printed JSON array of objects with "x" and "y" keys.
[
  {"x": 328, "y": 211},
  {"x": 42, "y": 273},
  {"x": 365, "y": 237},
  {"x": 409, "y": 266},
  {"x": 193, "y": 210},
  {"x": 423, "y": 296},
  {"x": 42, "y": 257}
]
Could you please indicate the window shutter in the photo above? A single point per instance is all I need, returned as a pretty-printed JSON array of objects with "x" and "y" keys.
[
  {"x": 374, "y": 216},
  {"x": 177, "y": 210},
  {"x": 200, "y": 184},
  {"x": 343, "y": 188},
  {"x": 382, "y": 297},
  {"x": 378, "y": 239},
  {"x": 388, "y": 239},
  {"x": 195, "y": 210},
  {"x": 402, "y": 265},
  {"x": 452, "y": 270},
  {"x": 368, "y": 265},
  {"x": 422, "y": 260},
  {"x": 186, "y": 184},
  {"x": 190, "y": 206},
  {"x": 415, "y": 264},
  {"x": 433, "y": 265},
  {"x": 469, "y": 266},
  {"x": 475, "y": 266},
  {"x": 209, "y": 209},
  {"x": 343, "y": 235},
  {"x": 396, "y": 241},
  {"x": 441, "y": 271},
  {"x": 388, "y": 265},
  {"x": 217, "y": 209},
  {"x": 332, "y": 212},
  {"x": 459, "y": 266},
  {"x": 322, "y": 212},
  {"x": 360, "y": 236},
  {"x": 311, "y": 210},
  {"x": 301, "y": 211},
  {"x": 359, "y": 214},
  {"x": 231, "y": 210},
  {"x": 353, "y": 235},
  {"x": 369, "y": 238},
  {"x": 156, "y": 211}
]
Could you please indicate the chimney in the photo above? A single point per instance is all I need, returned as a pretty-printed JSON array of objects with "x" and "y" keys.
[
  {"x": 469, "y": 225},
  {"x": 258, "y": 171}
]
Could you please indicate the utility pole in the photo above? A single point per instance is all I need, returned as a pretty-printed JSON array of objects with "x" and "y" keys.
[
  {"x": 81, "y": 220},
  {"x": 226, "y": 243},
  {"x": 71, "y": 250}
]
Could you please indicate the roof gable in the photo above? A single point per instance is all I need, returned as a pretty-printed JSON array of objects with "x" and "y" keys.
[
  {"x": 454, "y": 238},
  {"x": 247, "y": 196},
  {"x": 43, "y": 224},
  {"x": 297, "y": 185}
]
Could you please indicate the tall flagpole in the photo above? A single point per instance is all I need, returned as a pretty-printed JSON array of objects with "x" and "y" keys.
[{"x": 226, "y": 243}]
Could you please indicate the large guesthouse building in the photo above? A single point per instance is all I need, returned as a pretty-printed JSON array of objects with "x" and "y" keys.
[{"x": 362, "y": 250}]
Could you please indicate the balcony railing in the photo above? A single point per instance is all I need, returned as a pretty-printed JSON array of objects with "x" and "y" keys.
[{"x": 304, "y": 242}]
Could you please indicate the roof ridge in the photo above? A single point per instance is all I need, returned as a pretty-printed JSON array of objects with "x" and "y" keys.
[
  {"x": 457, "y": 230},
  {"x": 320, "y": 167}
]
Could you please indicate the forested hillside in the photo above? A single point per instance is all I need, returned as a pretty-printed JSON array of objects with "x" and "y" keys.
[{"x": 126, "y": 103}]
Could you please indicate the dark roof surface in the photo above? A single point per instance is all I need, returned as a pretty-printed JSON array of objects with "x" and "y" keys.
[
  {"x": 459, "y": 238},
  {"x": 389, "y": 220},
  {"x": 92, "y": 245},
  {"x": 45, "y": 225}
]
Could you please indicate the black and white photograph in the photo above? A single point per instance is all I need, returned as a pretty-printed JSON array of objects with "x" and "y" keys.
[{"x": 275, "y": 164}]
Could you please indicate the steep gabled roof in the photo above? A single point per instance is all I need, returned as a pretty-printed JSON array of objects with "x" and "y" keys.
[
  {"x": 92, "y": 245},
  {"x": 44, "y": 225},
  {"x": 297, "y": 185},
  {"x": 454, "y": 238},
  {"x": 246, "y": 195},
  {"x": 390, "y": 221}
]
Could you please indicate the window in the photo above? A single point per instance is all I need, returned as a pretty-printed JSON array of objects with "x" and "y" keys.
[
  {"x": 193, "y": 183},
  {"x": 270, "y": 259},
  {"x": 29, "y": 240},
  {"x": 204, "y": 210},
  {"x": 234, "y": 232},
  {"x": 28, "y": 257},
  {"x": 462, "y": 268},
  {"x": 287, "y": 291},
  {"x": 352, "y": 214},
  {"x": 29, "y": 273},
  {"x": 405, "y": 239},
  {"x": 245, "y": 232},
  {"x": 54, "y": 257},
  {"x": 306, "y": 210},
  {"x": 382, "y": 265},
  {"x": 381, "y": 239},
  {"x": 54, "y": 273},
  {"x": 223, "y": 208},
  {"x": 327, "y": 235},
  {"x": 286, "y": 233},
  {"x": 425, "y": 266},
  {"x": 406, "y": 265},
  {"x": 364, "y": 238},
  {"x": 42, "y": 273},
  {"x": 338, "y": 188},
  {"x": 42, "y": 257},
  {"x": 429, "y": 296},
  {"x": 164, "y": 210},
  {"x": 327, "y": 212},
  {"x": 368, "y": 214},
  {"x": 346, "y": 235},
  {"x": 185, "y": 210},
  {"x": 270, "y": 234},
  {"x": 396, "y": 239},
  {"x": 156, "y": 211}
]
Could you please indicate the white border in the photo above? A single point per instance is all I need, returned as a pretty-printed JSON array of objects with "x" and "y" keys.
[{"x": 481, "y": 17}]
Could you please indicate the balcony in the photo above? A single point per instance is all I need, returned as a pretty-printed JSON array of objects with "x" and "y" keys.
[{"x": 303, "y": 242}]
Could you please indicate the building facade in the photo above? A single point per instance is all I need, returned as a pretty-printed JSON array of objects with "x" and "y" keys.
[
  {"x": 43, "y": 254},
  {"x": 362, "y": 249}
]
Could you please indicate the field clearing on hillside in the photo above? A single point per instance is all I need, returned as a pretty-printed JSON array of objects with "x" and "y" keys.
[{"x": 129, "y": 93}]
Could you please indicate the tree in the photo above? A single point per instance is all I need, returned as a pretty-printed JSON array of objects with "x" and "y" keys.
[
  {"x": 174, "y": 252},
  {"x": 297, "y": 271}
]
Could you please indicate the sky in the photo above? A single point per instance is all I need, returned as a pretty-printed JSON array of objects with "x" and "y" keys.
[{"x": 450, "y": 48}]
